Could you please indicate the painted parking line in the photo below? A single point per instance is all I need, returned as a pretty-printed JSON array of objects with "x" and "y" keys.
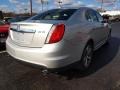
[{"x": 2, "y": 52}]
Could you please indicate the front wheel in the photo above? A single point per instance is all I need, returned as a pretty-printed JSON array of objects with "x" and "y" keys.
[{"x": 86, "y": 57}]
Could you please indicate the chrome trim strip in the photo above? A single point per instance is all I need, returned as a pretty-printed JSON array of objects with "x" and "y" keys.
[{"x": 23, "y": 31}]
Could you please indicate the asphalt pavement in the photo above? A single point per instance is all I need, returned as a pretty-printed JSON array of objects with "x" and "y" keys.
[{"x": 104, "y": 73}]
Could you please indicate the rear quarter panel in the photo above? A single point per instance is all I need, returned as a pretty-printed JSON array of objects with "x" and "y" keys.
[{"x": 76, "y": 35}]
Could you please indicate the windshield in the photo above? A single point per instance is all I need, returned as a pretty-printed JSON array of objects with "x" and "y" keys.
[{"x": 55, "y": 14}]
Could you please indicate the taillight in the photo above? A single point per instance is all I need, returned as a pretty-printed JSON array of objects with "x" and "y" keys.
[{"x": 56, "y": 33}]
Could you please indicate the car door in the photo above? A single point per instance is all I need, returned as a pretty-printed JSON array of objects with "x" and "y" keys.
[
  {"x": 104, "y": 26},
  {"x": 97, "y": 27}
]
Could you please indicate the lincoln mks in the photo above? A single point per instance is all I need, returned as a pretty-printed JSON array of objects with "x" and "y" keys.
[{"x": 59, "y": 37}]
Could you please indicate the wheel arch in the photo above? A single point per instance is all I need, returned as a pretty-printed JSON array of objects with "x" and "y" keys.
[{"x": 91, "y": 41}]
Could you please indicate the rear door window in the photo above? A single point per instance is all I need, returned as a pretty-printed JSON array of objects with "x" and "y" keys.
[
  {"x": 100, "y": 18},
  {"x": 91, "y": 16}
]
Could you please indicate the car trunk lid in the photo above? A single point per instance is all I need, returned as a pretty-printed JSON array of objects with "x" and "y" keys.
[{"x": 30, "y": 34}]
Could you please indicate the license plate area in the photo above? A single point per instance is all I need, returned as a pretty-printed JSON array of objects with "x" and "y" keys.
[{"x": 22, "y": 38}]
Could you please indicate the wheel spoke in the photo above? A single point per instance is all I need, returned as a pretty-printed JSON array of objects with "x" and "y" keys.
[{"x": 87, "y": 56}]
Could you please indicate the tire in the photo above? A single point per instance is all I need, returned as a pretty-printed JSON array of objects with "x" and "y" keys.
[{"x": 86, "y": 58}]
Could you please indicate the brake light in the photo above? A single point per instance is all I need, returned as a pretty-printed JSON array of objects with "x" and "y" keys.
[{"x": 56, "y": 33}]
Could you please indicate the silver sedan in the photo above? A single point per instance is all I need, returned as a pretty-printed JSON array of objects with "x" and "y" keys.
[{"x": 59, "y": 37}]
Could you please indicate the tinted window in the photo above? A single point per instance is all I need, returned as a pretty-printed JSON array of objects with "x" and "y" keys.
[
  {"x": 100, "y": 18},
  {"x": 56, "y": 14},
  {"x": 91, "y": 16},
  {"x": 87, "y": 15}
]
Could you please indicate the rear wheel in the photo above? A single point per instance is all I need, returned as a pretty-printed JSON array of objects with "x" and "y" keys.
[{"x": 86, "y": 57}]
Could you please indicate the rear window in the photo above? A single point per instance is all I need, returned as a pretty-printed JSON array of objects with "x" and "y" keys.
[{"x": 55, "y": 14}]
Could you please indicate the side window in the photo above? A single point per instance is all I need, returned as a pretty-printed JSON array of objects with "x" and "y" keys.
[
  {"x": 94, "y": 16},
  {"x": 88, "y": 16},
  {"x": 100, "y": 18},
  {"x": 91, "y": 16}
]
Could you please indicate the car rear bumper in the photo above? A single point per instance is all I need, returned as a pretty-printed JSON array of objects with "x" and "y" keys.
[{"x": 46, "y": 56}]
